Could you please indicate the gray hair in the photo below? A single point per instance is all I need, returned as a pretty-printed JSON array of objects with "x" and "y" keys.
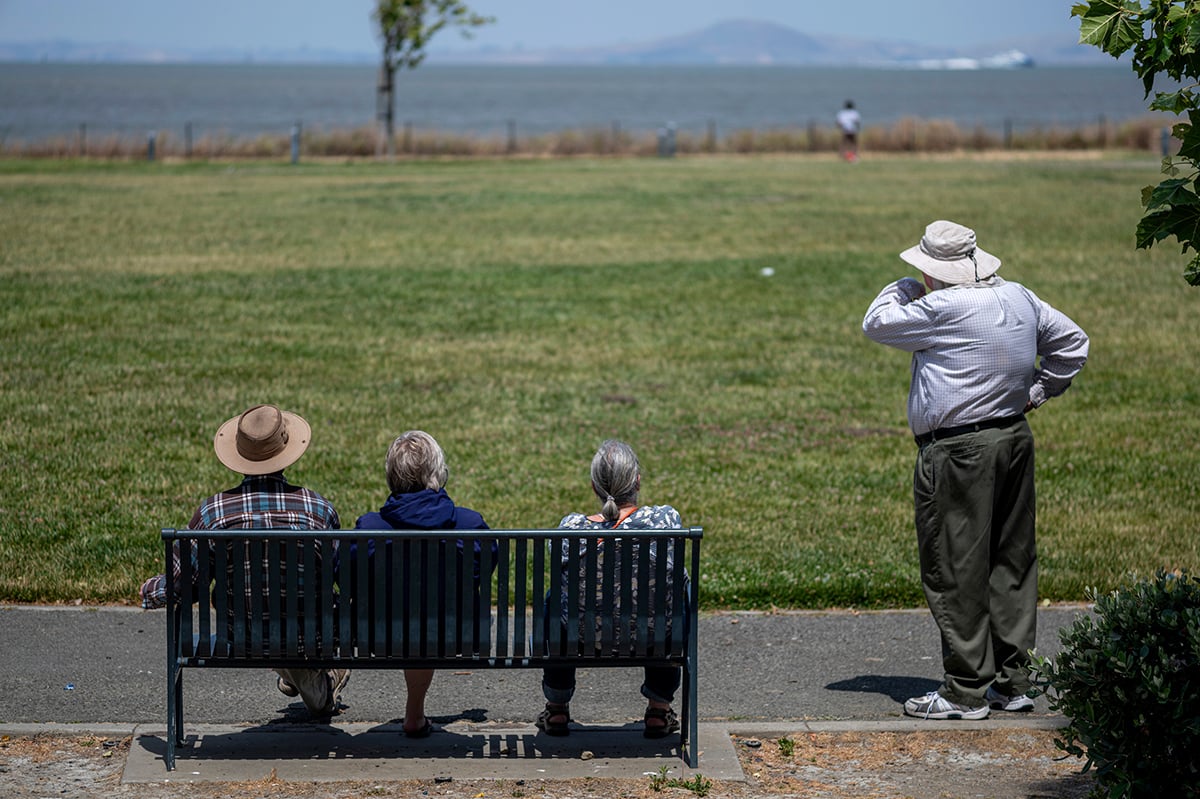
[
  {"x": 938, "y": 285},
  {"x": 415, "y": 462},
  {"x": 616, "y": 477}
]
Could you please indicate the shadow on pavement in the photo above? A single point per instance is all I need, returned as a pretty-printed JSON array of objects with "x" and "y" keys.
[{"x": 897, "y": 688}]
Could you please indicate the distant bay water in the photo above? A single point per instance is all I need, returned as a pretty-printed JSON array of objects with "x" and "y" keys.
[{"x": 44, "y": 100}]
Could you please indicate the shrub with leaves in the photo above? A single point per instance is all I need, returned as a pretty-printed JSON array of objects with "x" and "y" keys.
[
  {"x": 1129, "y": 682},
  {"x": 1163, "y": 38}
]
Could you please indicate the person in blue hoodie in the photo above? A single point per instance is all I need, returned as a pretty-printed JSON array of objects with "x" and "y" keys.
[{"x": 416, "y": 476}]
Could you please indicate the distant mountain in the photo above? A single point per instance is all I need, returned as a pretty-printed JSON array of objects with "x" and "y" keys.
[
  {"x": 751, "y": 42},
  {"x": 734, "y": 42}
]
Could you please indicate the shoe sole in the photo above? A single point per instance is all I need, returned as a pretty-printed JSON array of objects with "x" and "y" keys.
[
  {"x": 654, "y": 733},
  {"x": 1023, "y": 708},
  {"x": 950, "y": 715},
  {"x": 1009, "y": 704}
]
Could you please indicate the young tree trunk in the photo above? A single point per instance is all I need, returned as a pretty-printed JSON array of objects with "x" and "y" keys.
[{"x": 386, "y": 111}]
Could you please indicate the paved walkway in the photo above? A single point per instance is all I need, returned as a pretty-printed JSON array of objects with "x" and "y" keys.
[{"x": 102, "y": 670}]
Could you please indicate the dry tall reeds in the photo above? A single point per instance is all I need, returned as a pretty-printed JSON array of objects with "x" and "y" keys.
[{"x": 908, "y": 135}]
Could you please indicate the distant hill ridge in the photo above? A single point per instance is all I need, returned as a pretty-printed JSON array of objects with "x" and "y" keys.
[{"x": 732, "y": 42}]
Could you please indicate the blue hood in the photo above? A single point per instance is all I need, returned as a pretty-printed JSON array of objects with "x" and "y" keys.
[{"x": 422, "y": 510}]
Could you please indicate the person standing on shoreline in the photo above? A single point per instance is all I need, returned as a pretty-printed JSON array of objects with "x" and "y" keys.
[
  {"x": 849, "y": 122},
  {"x": 975, "y": 341}
]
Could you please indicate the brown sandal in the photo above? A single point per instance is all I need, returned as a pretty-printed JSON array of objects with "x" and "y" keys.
[
  {"x": 544, "y": 720},
  {"x": 670, "y": 722}
]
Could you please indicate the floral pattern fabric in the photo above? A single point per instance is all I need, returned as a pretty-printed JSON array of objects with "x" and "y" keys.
[{"x": 651, "y": 517}]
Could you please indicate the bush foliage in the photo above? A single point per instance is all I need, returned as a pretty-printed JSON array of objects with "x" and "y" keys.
[{"x": 1129, "y": 681}]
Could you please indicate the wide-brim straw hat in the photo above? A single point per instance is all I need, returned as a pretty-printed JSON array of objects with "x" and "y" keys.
[
  {"x": 263, "y": 440},
  {"x": 948, "y": 252}
]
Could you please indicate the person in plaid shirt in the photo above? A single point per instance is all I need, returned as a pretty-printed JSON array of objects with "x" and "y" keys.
[{"x": 259, "y": 444}]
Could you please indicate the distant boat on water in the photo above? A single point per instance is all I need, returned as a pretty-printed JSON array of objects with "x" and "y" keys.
[{"x": 1010, "y": 59}]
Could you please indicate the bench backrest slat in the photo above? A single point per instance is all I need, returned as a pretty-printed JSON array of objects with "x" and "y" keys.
[
  {"x": 520, "y": 560},
  {"x": 537, "y": 632},
  {"x": 328, "y": 601},
  {"x": 255, "y": 594},
  {"x": 573, "y": 631},
  {"x": 204, "y": 603},
  {"x": 185, "y": 575},
  {"x": 219, "y": 645},
  {"x": 482, "y": 642},
  {"x": 274, "y": 587}
]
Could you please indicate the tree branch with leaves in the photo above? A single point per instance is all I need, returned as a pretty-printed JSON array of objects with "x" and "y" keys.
[
  {"x": 1163, "y": 37},
  {"x": 405, "y": 30}
]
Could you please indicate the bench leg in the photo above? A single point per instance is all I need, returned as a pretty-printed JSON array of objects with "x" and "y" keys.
[
  {"x": 174, "y": 713},
  {"x": 690, "y": 732}
]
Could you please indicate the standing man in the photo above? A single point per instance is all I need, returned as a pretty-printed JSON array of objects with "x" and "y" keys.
[
  {"x": 975, "y": 340},
  {"x": 260, "y": 444},
  {"x": 849, "y": 122}
]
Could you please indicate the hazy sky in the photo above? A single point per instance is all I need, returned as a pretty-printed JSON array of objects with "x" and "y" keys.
[{"x": 532, "y": 24}]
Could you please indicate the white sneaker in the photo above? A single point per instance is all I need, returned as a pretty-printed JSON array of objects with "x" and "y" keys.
[
  {"x": 338, "y": 679},
  {"x": 315, "y": 688},
  {"x": 1013, "y": 704},
  {"x": 934, "y": 706}
]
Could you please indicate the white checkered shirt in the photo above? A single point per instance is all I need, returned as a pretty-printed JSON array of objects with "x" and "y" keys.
[{"x": 975, "y": 350}]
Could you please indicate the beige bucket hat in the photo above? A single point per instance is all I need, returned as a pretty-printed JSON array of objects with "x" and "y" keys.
[
  {"x": 948, "y": 252},
  {"x": 263, "y": 440}
]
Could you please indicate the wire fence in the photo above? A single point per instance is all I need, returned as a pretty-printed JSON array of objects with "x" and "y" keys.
[{"x": 293, "y": 140}]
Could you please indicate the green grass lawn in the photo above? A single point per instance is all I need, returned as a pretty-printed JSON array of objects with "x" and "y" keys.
[{"x": 523, "y": 311}]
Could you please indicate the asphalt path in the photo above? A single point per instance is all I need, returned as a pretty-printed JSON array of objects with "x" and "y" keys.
[{"x": 106, "y": 665}]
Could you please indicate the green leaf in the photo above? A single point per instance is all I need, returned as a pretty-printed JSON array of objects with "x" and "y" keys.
[
  {"x": 1111, "y": 25},
  {"x": 1172, "y": 102},
  {"x": 1188, "y": 134},
  {"x": 1182, "y": 222},
  {"x": 1192, "y": 273},
  {"x": 1169, "y": 193},
  {"x": 1192, "y": 33}
]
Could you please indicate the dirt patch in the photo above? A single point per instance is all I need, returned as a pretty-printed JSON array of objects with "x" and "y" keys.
[
  {"x": 924, "y": 765},
  {"x": 842, "y": 765}
]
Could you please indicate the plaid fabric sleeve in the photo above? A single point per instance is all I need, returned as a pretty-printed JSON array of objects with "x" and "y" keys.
[{"x": 154, "y": 590}]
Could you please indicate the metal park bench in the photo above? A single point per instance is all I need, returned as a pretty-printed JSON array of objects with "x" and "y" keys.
[{"x": 282, "y": 599}]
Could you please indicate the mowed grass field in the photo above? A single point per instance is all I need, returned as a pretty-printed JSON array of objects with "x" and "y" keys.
[{"x": 522, "y": 311}]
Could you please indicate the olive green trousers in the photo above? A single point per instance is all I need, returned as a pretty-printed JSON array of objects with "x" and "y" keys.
[{"x": 975, "y": 520}]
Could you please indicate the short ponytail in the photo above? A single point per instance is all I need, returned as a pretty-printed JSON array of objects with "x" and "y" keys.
[{"x": 616, "y": 477}]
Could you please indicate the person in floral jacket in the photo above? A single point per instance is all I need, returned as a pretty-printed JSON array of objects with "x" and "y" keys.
[{"x": 616, "y": 481}]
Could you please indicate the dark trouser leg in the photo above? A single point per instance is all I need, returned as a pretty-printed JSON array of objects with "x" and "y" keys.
[
  {"x": 661, "y": 683},
  {"x": 958, "y": 485},
  {"x": 558, "y": 684},
  {"x": 1013, "y": 584}
]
